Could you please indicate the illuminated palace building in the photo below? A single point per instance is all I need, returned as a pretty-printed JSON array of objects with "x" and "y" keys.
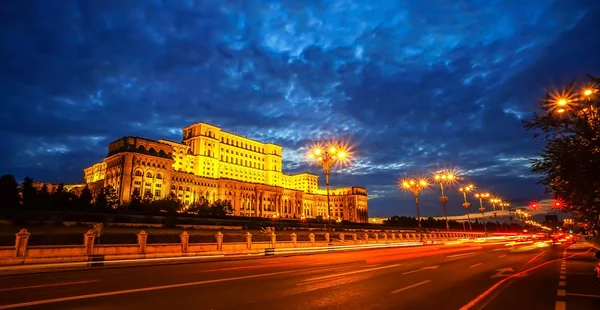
[{"x": 215, "y": 164}]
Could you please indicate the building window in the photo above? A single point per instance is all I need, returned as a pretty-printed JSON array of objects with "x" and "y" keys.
[{"x": 157, "y": 193}]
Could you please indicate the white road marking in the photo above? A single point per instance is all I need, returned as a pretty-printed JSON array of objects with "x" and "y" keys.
[
  {"x": 562, "y": 283},
  {"x": 504, "y": 272},
  {"x": 139, "y": 290},
  {"x": 561, "y": 293},
  {"x": 462, "y": 254},
  {"x": 351, "y": 272},
  {"x": 475, "y": 265},
  {"x": 410, "y": 286},
  {"x": 562, "y": 277},
  {"x": 421, "y": 269},
  {"x": 499, "y": 250},
  {"x": 46, "y": 285},
  {"x": 560, "y": 305},
  {"x": 501, "y": 256}
]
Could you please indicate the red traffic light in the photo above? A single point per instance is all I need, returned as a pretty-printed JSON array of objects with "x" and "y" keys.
[
  {"x": 534, "y": 205},
  {"x": 557, "y": 204}
]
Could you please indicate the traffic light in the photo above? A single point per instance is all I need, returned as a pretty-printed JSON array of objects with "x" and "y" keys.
[
  {"x": 534, "y": 205},
  {"x": 557, "y": 204}
]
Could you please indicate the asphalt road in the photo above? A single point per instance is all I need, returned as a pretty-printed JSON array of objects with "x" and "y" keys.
[{"x": 431, "y": 277}]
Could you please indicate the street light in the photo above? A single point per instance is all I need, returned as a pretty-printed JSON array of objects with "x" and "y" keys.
[
  {"x": 327, "y": 157},
  {"x": 466, "y": 204},
  {"x": 495, "y": 201},
  {"x": 482, "y": 196},
  {"x": 415, "y": 186},
  {"x": 507, "y": 205},
  {"x": 444, "y": 177},
  {"x": 565, "y": 100}
]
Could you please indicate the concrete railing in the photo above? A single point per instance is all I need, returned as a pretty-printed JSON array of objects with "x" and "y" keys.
[{"x": 22, "y": 253}]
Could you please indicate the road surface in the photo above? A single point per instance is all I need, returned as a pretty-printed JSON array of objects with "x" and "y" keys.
[{"x": 434, "y": 277}]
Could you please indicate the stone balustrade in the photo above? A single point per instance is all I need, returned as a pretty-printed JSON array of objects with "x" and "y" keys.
[{"x": 89, "y": 251}]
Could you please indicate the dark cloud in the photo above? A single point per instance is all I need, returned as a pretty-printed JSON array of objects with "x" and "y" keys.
[{"x": 414, "y": 86}]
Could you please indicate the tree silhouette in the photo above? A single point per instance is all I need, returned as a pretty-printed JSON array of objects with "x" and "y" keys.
[
  {"x": 221, "y": 208},
  {"x": 200, "y": 207},
  {"x": 148, "y": 197},
  {"x": 9, "y": 192},
  {"x": 42, "y": 200},
  {"x": 569, "y": 162},
  {"x": 101, "y": 202},
  {"x": 135, "y": 201},
  {"x": 86, "y": 197},
  {"x": 112, "y": 198},
  {"x": 28, "y": 193},
  {"x": 169, "y": 205}
]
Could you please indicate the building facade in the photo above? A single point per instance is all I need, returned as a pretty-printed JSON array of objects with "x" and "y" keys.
[{"x": 216, "y": 164}]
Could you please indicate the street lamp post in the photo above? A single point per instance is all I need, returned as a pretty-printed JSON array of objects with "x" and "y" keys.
[
  {"x": 415, "y": 186},
  {"x": 327, "y": 158},
  {"x": 466, "y": 204},
  {"x": 481, "y": 196},
  {"x": 495, "y": 201},
  {"x": 507, "y": 205},
  {"x": 444, "y": 177}
]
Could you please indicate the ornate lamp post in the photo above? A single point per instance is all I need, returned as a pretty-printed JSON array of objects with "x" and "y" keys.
[
  {"x": 466, "y": 204},
  {"x": 415, "y": 186},
  {"x": 507, "y": 205},
  {"x": 444, "y": 177},
  {"x": 327, "y": 158},
  {"x": 495, "y": 201},
  {"x": 481, "y": 196}
]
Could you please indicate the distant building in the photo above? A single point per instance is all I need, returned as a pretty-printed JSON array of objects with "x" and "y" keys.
[
  {"x": 551, "y": 220},
  {"x": 216, "y": 164},
  {"x": 74, "y": 188}
]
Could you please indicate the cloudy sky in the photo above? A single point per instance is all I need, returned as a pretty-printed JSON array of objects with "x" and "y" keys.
[{"x": 415, "y": 85}]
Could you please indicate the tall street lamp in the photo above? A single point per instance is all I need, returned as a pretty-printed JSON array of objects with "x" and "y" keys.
[
  {"x": 507, "y": 205},
  {"x": 415, "y": 186},
  {"x": 495, "y": 201},
  {"x": 466, "y": 204},
  {"x": 444, "y": 177},
  {"x": 482, "y": 196},
  {"x": 327, "y": 158}
]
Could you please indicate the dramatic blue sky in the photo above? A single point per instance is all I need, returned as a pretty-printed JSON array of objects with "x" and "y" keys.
[{"x": 417, "y": 85}]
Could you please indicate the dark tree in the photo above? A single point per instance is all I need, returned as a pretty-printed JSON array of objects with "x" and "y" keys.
[
  {"x": 148, "y": 197},
  {"x": 86, "y": 197},
  {"x": 101, "y": 202},
  {"x": 135, "y": 201},
  {"x": 59, "y": 198},
  {"x": 169, "y": 205},
  {"x": 569, "y": 161},
  {"x": 43, "y": 198},
  {"x": 9, "y": 192},
  {"x": 221, "y": 208},
  {"x": 200, "y": 207},
  {"x": 112, "y": 197},
  {"x": 28, "y": 193}
]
